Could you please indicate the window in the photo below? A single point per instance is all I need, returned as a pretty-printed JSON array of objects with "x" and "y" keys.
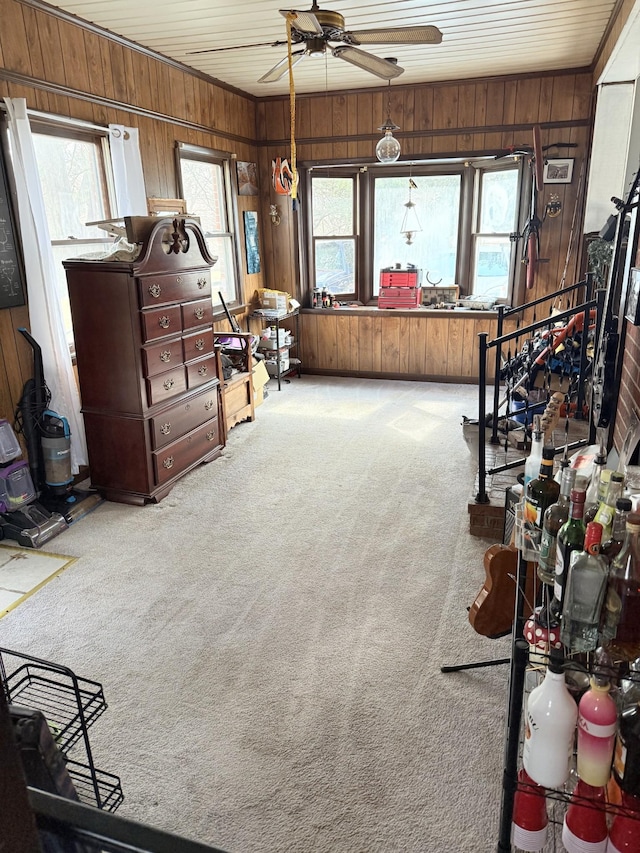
[
  {"x": 72, "y": 167},
  {"x": 205, "y": 177},
  {"x": 466, "y": 213}
]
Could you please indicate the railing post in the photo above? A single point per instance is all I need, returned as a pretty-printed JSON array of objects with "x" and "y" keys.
[
  {"x": 496, "y": 379},
  {"x": 482, "y": 497}
]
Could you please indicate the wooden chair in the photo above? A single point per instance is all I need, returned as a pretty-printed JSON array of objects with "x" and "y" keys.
[{"x": 237, "y": 390}]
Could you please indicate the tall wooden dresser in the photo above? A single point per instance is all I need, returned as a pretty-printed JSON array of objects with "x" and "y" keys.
[{"x": 147, "y": 365}]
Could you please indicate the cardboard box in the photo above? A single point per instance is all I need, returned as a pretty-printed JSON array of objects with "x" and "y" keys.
[
  {"x": 274, "y": 300},
  {"x": 260, "y": 377}
]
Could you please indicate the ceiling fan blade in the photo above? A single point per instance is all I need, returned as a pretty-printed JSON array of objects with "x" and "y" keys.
[
  {"x": 305, "y": 22},
  {"x": 236, "y": 47},
  {"x": 368, "y": 62},
  {"x": 397, "y": 35},
  {"x": 281, "y": 68}
]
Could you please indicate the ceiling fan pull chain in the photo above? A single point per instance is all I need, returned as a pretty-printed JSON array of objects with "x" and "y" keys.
[{"x": 291, "y": 16}]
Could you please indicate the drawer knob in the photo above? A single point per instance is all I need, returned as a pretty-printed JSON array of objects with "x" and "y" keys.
[
  {"x": 199, "y": 344},
  {"x": 164, "y": 322},
  {"x": 167, "y": 462},
  {"x": 155, "y": 290},
  {"x": 199, "y": 313},
  {"x": 168, "y": 384},
  {"x": 211, "y": 436},
  {"x": 209, "y": 405},
  {"x": 202, "y": 371},
  {"x": 165, "y": 429},
  {"x": 178, "y": 279},
  {"x": 165, "y": 355},
  {"x": 202, "y": 282}
]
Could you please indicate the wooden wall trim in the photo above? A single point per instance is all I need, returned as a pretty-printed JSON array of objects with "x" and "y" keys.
[
  {"x": 444, "y": 131},
  {"x": 67, "y": 91},
  {"x": 409, "y": 377},
  {"x": 70, "y": 18}
]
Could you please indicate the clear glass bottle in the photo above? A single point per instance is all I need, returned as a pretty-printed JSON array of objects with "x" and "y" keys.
[
  {"x": 585, "y": 589},
  {"x": 553, "y": 519},
  {"x": 592, "y": 500},
  {"x": 532, "y": 464},
  {"x": 607, "y": 508},
  {"x": 621, "y": 622},
  {"x": 570, "y": 538},
  {"x": 612, "y": 546}
]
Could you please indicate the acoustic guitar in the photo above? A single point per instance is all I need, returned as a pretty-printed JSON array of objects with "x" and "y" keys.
[{"x": 491, "y": 614}]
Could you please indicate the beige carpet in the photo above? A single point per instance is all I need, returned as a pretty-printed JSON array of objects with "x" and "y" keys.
[{"x": 269, "y": 636}]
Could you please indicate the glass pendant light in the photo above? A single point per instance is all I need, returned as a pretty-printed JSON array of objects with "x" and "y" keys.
[
  {"x": 388, "y": 148},
  {"x": 410, "y": 223}
]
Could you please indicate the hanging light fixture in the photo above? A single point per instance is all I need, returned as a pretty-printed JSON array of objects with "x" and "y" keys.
[
  {"x": 410, "y": 223},
  {"x": 388, "y": 148}
]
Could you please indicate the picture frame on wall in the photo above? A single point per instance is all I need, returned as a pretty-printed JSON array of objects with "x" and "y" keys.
[
  {"x": 247, "y": 178},
  {"x": 251, "y": 245},
  {"x": 558, "y": 171}
]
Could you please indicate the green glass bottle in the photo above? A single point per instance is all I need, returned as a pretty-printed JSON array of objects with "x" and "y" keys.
[
  {"x": 541, "y": 492},
  {"x": 570, "y": 539}
]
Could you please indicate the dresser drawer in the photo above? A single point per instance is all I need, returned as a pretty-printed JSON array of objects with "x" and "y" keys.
[
  {"x": 199, "y": 372},
  {"x": 176, "y": 457},
  {"x": 183, "y": 417},
  {"x": 161, "y": 289},
  {"x": 198, "y": 313},
  {"x": 161, "y": 322},
  {"x": 198, "y": 344},
  {"x": 162, "y": 357},
  {"x": 166, "y": 385}
]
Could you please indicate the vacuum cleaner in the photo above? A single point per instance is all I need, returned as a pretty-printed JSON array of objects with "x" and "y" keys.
[
  {"x": 21, "y": 517},
  {"x": 48, "y": 440}
]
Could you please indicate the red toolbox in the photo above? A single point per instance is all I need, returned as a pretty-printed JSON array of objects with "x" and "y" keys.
[{"x": 400, "y": 288}]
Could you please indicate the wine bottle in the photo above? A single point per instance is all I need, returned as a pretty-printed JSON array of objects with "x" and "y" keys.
[
  {"x": 592, "y": 499},
  {"x": 584, "y": 593},
  {"x": 626, "y": 759},
  {"x": 570, "y": 539},
  {"x": 554, "y": 517},
  {"x": 542, "y": 491},
  {"x": 621, "y": 620},
  {"x": 550, "y": 721}
]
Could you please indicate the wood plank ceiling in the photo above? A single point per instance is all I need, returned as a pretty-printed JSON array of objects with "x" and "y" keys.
[{"x": 480, "y": 37}]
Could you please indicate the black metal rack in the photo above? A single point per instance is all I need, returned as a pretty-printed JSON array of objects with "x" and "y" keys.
[
  {"x": 280, "y": 375},
  {"x": 71, "y": 705}
]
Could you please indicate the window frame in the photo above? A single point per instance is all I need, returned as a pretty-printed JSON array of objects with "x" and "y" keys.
[
  {"x": 224, "y": 159},
  {"x": 364, "y": 198}
]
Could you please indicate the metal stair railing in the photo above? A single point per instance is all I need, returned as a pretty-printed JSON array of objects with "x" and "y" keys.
[{"x": 497, "y": 344}]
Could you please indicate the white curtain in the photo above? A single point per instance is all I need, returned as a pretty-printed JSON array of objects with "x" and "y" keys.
[
  {"x": 45, "y": 316},
  {"x": 126, "y": 164}
]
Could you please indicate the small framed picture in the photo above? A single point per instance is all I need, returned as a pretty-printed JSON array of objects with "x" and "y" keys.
[
  {"x": 558, "y": 171},
  {"x": 247, "y": 178},
  {"x": 632, "y": 312}
]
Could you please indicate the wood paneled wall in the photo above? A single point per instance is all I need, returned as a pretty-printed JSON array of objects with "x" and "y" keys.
[{"x": 69, "y": 70}]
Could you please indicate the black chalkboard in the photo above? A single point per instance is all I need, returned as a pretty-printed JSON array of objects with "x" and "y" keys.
[{"x": 11, "y": 270}]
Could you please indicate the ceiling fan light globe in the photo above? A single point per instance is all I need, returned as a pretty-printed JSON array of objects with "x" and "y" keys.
[{"x": 388, "y": 148}]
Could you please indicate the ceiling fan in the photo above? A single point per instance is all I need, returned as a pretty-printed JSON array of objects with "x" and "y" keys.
[{"x": 318, "y": 27}]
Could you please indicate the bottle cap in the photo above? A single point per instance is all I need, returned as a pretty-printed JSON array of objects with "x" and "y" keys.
[
  {"x": 556, "y": 659},
  {"x": 633, "y": 521},
  {"x": 624, "y": 504},
  {"x": 548, "y": 453},
  {"x": 578, "y": 496},
  {"x": 616, "y": 477},
  {"x": 593, "y": 537}
]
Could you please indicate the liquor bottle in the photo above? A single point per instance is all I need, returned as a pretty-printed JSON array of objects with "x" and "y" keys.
[
  {"x": 534, "y": 459},
  {"x": 607, "y": 507},
  {"x": 584, "y": 828},
  {"x": 570, "y": 538},
  {"x": 585, "y": 588},
  {"x": 597, "y": 724},
  {"x": 541, "y": 492},
  {"x": 550, "y": 721},
  {"x": 554, "y": 517},
  {"x": 621, "y": 621},
  {"x": 611, "y": 548},
  {"x": 626, "y": 758},
  {"x": 592, "y": 500}
]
